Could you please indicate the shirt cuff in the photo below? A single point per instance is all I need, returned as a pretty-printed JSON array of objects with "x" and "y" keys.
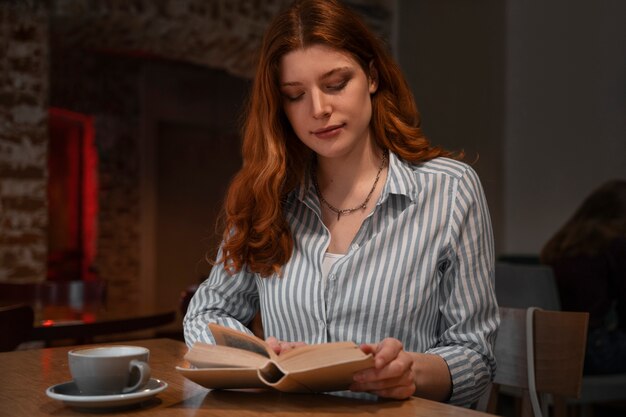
[{"x": 469, "y": 374}]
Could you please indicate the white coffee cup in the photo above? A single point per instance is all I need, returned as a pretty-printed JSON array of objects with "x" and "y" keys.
[{"x": 109, "y": 370}]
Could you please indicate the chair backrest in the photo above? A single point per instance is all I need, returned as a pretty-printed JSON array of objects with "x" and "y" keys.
[
  {"x": 559, "y": 340},
  {"x": 522, "y": 286},
  {"x": 16, "y": 323}
]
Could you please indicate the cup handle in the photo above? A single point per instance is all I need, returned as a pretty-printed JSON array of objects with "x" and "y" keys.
[{"x": 144, "y": 375}]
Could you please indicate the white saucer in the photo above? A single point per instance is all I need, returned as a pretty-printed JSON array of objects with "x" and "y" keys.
[{"x": 69, "y": 393}]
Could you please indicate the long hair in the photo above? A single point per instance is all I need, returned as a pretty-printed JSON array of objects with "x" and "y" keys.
[
  {"x": 275, "y": 161},
  {"x": 599, "y": 220}
]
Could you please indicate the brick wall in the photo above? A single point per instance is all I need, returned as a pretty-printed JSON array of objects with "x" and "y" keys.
[{"x": 23, "y": 138}]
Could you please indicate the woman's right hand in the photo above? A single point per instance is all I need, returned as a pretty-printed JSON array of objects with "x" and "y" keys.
[{"x": 279, "y": 346}]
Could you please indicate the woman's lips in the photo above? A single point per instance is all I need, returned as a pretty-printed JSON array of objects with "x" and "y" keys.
[{"x": 328, "y": 132}]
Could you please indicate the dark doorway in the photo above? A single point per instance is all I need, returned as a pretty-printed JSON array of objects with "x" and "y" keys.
[{"x": 191, "y": 151}]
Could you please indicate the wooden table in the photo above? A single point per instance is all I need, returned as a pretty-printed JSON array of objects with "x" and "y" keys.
[{"x": 25, "y": 375}]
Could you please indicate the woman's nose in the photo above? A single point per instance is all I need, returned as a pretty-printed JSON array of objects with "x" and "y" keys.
[{"x": 320, "y": 105}]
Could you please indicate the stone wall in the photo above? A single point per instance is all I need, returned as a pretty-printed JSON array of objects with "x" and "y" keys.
[
  {"x": 223, "y": 34},
  {"x": 220, "y": 33},
  {"x": 23, "y": 140}
]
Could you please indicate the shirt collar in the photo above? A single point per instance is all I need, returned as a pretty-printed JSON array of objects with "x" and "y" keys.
[{"x": 400, "y": 180}]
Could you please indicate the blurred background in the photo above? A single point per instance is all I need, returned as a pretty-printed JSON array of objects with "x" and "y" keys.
[{"x": 119, "y": 123}]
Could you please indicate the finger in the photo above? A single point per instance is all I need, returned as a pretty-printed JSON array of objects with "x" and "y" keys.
[
  {"x": 369, "y": 347},
  {"x": 387, "y": 351},
  {"x": 274, "y": 344},
  {"x": 391, "y": 387},
  {"x": 384, "y": 352},
  {"x": 285, "y": 347},
  {"x": 288, "y": 346},
  {"x": 381, "y": 381},
  {"x": 399, "y": 393},
  {"x": 395, "y": 369}
]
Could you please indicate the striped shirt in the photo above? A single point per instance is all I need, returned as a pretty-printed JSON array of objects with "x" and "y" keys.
[{"x": 420, "y": 269}]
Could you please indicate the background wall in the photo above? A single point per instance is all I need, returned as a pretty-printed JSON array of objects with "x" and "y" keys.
[
  {"x": 533, "y": 91},
  {"x": 536, "y": 88},
  {"x": 566, "y": 111},
  {"x": 453, "y": 55}
]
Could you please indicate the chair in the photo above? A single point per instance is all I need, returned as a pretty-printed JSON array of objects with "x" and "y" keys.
[
  {"x": 16, "y": 323},
  {"x": 523, "y": 286},
  {"x": 556, "y": 351}
]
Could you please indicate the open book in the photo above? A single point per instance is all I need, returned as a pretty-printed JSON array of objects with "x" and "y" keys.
[{"x": 239, "y": 360}]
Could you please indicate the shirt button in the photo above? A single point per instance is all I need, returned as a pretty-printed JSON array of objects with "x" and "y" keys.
[
  {"x": 355, "y": 246},
  {"x": 331, "y": 276}
]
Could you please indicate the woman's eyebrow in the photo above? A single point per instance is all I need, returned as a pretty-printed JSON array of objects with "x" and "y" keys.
[{"x": 322, "y": 77}]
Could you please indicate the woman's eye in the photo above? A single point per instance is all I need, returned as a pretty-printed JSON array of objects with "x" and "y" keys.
[
  {"x": 292, "y": 97},
  {"x": 337, "y": 86}
]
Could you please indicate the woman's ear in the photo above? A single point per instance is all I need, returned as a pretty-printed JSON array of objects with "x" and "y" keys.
[{"x": 373, "y": 78}]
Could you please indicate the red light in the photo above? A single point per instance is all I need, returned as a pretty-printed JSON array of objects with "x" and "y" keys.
[
  {"x": 47, "y": 323},
  {"x": 89, "y": 317},
  {"x": 72, "y": 195}
]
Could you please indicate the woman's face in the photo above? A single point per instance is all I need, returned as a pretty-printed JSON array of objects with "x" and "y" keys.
[{"x": 326, "y": 97}]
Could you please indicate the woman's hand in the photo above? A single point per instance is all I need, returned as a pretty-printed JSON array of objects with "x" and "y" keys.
[
  {"x": 400, "y": 374},
  {"x": 282, "y": 347},
  {"x": 392, "y": 375}
]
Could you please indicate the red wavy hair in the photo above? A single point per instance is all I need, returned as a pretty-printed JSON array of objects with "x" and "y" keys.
[{"x": 275, "y": 161}]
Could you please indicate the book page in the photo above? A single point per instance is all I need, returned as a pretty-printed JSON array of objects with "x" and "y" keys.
[
  {"x": 223, "y": 378},
  {"x": 225, "y": 336},
  {"x": 203, "y": 355},
  {"x": 321, "y": 347},
  {"x": 322, "y": 355},
  {"x": 329, "y": 377}
]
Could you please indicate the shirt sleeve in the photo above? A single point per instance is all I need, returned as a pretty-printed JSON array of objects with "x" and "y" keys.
[
  {"x": 469, "y": 311},
  {"x": 228, "y": 300}
]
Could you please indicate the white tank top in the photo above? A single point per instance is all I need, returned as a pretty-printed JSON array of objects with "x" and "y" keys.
[{"x": 327, "y": 264}]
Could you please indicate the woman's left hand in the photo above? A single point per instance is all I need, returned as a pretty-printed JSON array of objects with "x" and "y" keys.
[
  {"x": 279, "y": 347},
  {"x": 392, "y": 375}
]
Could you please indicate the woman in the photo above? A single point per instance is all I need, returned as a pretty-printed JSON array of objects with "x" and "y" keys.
[
  {"x": 344, "y": 223},
  {"x": 588, "y": 256}
]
